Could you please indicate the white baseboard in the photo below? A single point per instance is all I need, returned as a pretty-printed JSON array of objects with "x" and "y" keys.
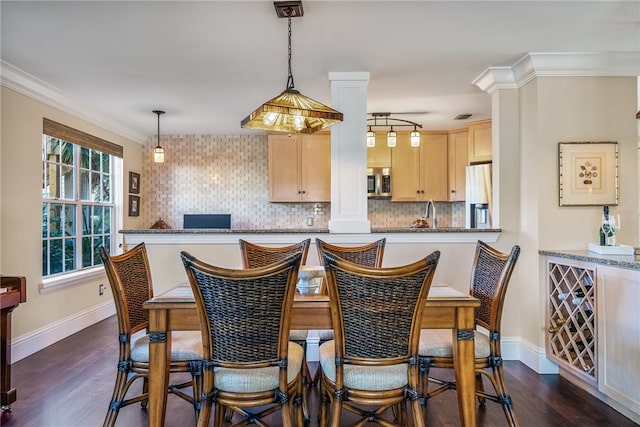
[
  {"x": 516, "y": 348},
  {"x": 513, "y": 348},
  {"x": 34, "y": 341}
]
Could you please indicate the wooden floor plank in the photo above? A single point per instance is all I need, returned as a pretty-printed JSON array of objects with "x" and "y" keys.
[{"x": 69, "y": 384}]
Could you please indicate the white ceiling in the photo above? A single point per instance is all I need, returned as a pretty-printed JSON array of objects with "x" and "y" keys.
[{"x": 208, "y": 64}]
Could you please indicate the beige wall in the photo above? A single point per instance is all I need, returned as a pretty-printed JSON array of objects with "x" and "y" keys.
[
  {"x": 20, "y": 210},
  {"x": 561, "y": 109}
]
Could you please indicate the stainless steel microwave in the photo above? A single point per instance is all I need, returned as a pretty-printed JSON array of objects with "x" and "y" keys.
[{"x": 379, "y": 182}]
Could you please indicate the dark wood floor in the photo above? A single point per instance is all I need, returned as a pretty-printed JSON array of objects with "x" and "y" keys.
[{"x": 69, "y": 384}]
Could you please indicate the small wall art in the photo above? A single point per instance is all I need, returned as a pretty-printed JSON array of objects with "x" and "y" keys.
[
  {"x": 134, "y": 205},
  {"x": 134, "y": 183},
  {"x": 588, "y": 173}
]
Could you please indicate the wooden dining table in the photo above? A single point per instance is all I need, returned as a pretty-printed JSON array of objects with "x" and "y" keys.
[{"x": 446, "y": 308}]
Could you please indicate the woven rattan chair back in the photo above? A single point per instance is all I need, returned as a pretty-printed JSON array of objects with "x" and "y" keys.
[
  {"x": 243, "y": 310},
  {"x": 376, "y": 314},
  {"x": 369, "y": 254},
  {"x": 254, "y": 256},
  {"x": 490, "y": 276},
  {"x": 376, "y": 307},
  {"x": 130, "y": 279}
]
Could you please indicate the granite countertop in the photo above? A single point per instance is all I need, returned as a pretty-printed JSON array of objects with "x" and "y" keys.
[
  {"x": 622, "y": 261},
  {"x": 307, "y": 230}
]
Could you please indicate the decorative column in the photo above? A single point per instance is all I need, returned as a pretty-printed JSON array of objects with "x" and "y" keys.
[{"x": 349, "y": 154}]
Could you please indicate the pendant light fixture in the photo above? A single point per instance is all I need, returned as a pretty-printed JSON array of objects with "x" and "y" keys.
[
  {"x": 384, "y": 120},
  {"x": 158, "y": 151},
  {"x": 392, "y": 138},
  {"x": 414, "y": 137},
  {"x": 371, "y": 138},
  {"x": 291, "y": 111}
]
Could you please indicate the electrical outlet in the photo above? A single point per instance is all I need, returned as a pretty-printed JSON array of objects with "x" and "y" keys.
[{"x": 101, "y": 289}]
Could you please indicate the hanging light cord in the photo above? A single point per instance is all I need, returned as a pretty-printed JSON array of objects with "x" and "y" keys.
[{"x": 290, "y": 84}]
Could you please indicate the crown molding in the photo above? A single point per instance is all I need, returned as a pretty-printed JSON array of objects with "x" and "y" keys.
[
  {"x": 22, "y": 82},
  {"x": 558, "y": 64}
]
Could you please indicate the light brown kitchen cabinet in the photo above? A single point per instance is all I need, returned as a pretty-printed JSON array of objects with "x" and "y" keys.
[
  {"x": 480, "y": 142},
  {"x": 380, "y": 155},
  {"x": 458, "y": 158},
  {"x": 299, "y": 168},
  {"x": 419, "y": 173}
]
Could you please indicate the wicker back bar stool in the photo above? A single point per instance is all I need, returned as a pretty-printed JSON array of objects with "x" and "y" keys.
[
  {"x": 130, "y": 279},
  {"x": 250, "y": 366},
  {"x": 373, "y": 360},
  {"x": 490, "y": 277}
]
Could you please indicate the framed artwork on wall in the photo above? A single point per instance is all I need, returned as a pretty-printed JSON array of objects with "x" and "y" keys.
[
  {"x": 134, "y": 205},
  {"x": 134, "y": 183},
  {"x": 588, "y": 173}
]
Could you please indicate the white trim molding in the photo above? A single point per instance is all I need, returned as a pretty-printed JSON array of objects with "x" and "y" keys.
[
  {"x": 38, "y": 339},
  {"x": 22, "y": 82},
  {"x": 558, "y": 64}
]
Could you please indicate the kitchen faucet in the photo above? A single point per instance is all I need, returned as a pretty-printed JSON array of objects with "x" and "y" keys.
[{"x": 434, "y": 223}]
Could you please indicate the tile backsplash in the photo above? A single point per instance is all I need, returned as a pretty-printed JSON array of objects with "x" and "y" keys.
[{"x": 228, "y": 174}]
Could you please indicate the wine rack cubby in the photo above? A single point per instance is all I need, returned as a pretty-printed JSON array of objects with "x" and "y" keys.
[{"x": 571, "y": 338}]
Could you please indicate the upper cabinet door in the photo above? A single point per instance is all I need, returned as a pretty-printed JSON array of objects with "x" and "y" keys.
[
  {"x": 380, "y": 155},
  {"x": 480, "y": 142},
  {"x": 284, "y": 170},
  {"x": 458, "y": 162},
  {"x": 315, "y": 167},
  {"x": 433, "y": 166},
  {"x": 405, "y": 171},
  {"x": 299, "y": 168},
  {"x": 419, "y": 173}
]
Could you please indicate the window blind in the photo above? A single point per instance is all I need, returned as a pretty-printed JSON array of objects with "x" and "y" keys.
[{"x": 58, "y": 130}]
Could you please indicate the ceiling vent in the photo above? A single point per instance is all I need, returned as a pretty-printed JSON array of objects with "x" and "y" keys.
[{"x": 464, "y": 116}]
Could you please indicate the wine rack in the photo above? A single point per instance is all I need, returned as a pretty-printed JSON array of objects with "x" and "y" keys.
[{"x": 571, "y": 340}]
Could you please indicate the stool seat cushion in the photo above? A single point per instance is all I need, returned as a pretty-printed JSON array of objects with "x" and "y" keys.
[
  {"x": 374, "y": 378},
  {"x": 185, "y": 345},
  {"x": 437, "y": 343},
  {"x": 260, "y": 379}
]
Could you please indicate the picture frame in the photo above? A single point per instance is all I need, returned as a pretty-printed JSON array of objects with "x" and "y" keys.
[
  {"x": 588, "y": 173},
  {"x": 134, "y": 205},
  {"x": 134, "y": 183}
]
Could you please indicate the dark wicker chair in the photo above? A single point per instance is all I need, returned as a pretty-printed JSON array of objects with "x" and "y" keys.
[
  {"x": 369, "y": 255},
  {"x": 255, "y": 256},
  {"x": 373, "y": 361},
  {"x": 249, "y": 361},
  {"x": 490, "y": 278},
  {"x": 130, "y": 279}
]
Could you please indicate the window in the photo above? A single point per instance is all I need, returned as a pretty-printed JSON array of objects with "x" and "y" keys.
[{"x": 78, "y": 209}]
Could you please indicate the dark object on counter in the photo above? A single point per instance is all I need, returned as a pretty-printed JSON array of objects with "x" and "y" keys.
[
  {"x": 207, "y": 221},
  {"x": 160, "y": 225}
]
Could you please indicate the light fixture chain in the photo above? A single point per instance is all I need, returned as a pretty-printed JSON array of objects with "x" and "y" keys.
[{"x": 290, "y": 84}]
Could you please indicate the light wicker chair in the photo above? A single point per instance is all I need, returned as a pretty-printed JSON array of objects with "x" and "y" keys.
[
  {"x": 130, "y": 279},
  {"x": 373, "y": 361},
  {"x": 249, "y": 362},
  {"x": 254, "y": 256},
  {"x": 491, "y": 273}
]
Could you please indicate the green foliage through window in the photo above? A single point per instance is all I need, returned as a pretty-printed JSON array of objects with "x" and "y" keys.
[{"x": 77, "y": 205}]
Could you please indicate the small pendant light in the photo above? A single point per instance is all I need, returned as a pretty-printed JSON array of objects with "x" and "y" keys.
[
  {"x": 414, "y": 137},
  {"x": 158, "y": 151},
  {"x": 371, "y": 138},
  {"x": 392, "y": 138}
]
